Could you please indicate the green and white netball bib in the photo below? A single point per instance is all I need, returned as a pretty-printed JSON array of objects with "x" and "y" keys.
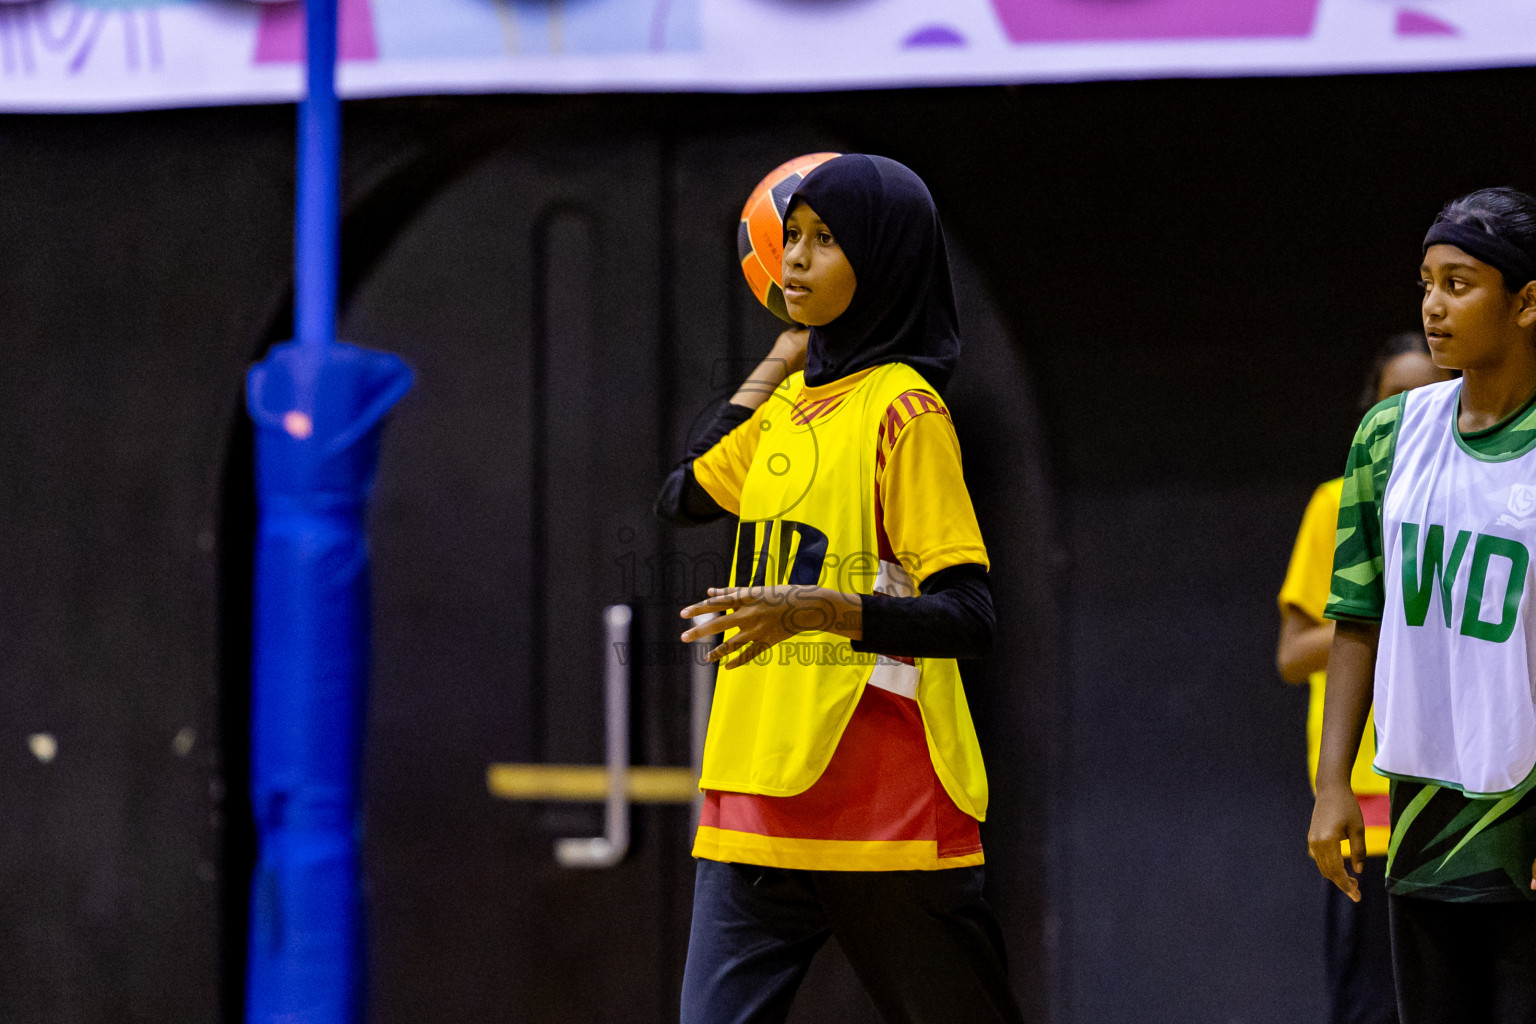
[{"x": 1454, "y": 688}]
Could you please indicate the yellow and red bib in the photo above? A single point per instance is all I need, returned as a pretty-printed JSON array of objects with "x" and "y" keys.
[{"x": 805, "y": 476}]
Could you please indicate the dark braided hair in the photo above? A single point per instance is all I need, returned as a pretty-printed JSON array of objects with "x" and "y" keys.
[{"x": 1505, "y": 213}]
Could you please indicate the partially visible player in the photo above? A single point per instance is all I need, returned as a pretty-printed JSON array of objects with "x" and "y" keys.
[
  {"x": 1432, "y": 596},
  {"x": 843, "y": 780},
  {"x": 1356, "y": 955}
]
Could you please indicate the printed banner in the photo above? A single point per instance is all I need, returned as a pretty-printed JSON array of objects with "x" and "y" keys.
[{"x": 65, "y": 55}]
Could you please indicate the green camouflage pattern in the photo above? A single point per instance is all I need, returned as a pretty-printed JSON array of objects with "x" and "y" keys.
[{"x": 1448, "y": 847}]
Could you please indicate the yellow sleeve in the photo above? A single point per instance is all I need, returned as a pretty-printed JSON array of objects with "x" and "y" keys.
[
  {"x": 722, "y": 470},
  {"x": 927, "y": 511},
  {"x": 1311, "y": 570}
]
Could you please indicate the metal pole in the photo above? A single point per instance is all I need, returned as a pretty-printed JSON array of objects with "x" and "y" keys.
[
  {"x": 702, "y": 684},
  {"x": 610, "y": 848},
  {"x": 317, "y": 231}
]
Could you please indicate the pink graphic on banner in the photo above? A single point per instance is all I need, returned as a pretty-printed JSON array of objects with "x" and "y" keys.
[
  {"x": 1412, "y": 23},
  {"x": 1039, "y": 21},
  {"x": 280, "y": 38},
  {"x": 934, "y": 35},
  {"x": 97, "y": 41}
]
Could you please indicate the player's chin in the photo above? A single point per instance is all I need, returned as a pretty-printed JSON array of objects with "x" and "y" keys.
[{"x": 805, "y": 313}]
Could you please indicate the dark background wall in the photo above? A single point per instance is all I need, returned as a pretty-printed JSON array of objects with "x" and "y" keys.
[{"x": 1170, "y": 289}]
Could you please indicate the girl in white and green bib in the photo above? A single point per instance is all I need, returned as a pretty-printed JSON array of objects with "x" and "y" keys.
[{"x": 1432, "y": 593}]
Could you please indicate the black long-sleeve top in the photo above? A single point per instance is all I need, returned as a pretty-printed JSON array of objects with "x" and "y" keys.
[{"x": 952, "y": 616}]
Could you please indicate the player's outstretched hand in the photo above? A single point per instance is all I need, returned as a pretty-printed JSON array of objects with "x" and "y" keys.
[
  {"x": 763, "y": 616},
  {"x": 1335, "y": 818}
]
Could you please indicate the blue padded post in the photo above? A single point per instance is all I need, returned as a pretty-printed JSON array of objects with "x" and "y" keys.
[{"x": 319, "y": 409}]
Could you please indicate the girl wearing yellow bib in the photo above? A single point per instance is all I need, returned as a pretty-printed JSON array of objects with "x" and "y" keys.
[{"x": 843, "y": 781}]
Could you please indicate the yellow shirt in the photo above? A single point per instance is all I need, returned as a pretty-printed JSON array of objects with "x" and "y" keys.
[
  {"x": 1306, "y": 588},
  {"x": 927, "y": 510},
  {"x": 819, "y": 757}
]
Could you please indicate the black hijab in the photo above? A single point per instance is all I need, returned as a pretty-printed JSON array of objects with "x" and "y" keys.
[{"x": 903, "y": 308}]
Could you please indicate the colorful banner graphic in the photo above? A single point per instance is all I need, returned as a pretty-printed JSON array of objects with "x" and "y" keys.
[{"x": 124, "y": 54}]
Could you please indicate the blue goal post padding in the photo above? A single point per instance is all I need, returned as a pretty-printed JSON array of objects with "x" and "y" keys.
[{"x": 319, "y": 412}]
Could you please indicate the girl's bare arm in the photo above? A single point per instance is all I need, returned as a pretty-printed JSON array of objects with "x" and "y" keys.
[{"x": 1336, "y": 815}]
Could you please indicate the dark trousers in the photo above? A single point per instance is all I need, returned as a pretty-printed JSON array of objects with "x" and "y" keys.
[
  {"x": 1464, "y": 963},
  {"x": 1357, "y": 951},
  {"x": 925, "y": 946}
]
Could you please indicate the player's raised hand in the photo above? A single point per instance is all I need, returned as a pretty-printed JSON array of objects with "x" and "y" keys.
[
  {"x": 763, "y": 617},
  {"x": 1336, "y": 817},
  {"x": 785, "y": 358},
  {"x": 790, "y": 346}
]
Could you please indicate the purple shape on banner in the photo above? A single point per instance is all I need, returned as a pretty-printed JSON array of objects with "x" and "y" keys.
[
  {"x": 1039, "y": 21},
  {"x": 1412, "y": 23},
  {"x": 935, "y": 35},
  {"x": 280, "y": 37}
]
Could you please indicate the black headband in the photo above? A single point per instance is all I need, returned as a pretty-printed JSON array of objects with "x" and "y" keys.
[{"x": 1517, "y": 265}]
